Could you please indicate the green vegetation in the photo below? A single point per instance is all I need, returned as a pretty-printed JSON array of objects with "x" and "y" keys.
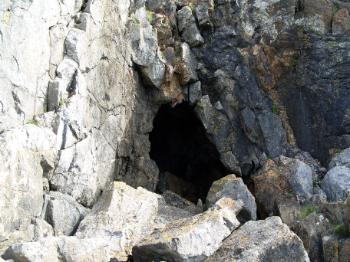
[
  {"x": 33, "y": 121},
  {"x": 135, "y": 19},
  {"x": 341, "y": 230},
  {"x": 275, "y": 109},
  {"x": 150, "y": 16},
  {"x": 305, "y": 211}
]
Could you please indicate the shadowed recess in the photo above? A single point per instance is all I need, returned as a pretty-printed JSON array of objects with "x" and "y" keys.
[{"x": 187, "y": 160}]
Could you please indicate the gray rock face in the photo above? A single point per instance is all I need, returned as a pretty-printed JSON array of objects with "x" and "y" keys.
[
  {"x": 21, "y": 195},
  {"x": 267, "y": 240},
  {"x": 336, "y": 183},
  {"x": 234, "y": 188},
  {"x": 299, "y": 176},
  {"x": 123, "y": 215},
  {"x": 193, "y": 238},
  {"x": 63, "y": 213},
  {"x": 341, "y": 159},
  {"x": 336, "y": 249},
  {"x": 188, "y": 27}
]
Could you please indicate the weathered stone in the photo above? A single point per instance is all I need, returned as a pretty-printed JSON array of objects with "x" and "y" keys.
[
  {"x": 299, "y": 176},
  {"x": 63, "y": 213},
  {"x": 234, "y": 188},
  {"x": 341, "y": 22},
  {"x": 192, "y": 238},
  {"x": 22, "y": 152},
  {"x": 341, "y": 159},
  {"x": 186, "y": 64},
  {"x": 203, "y": 11},
  {"x": 188, "y": 27},
  {"x": 267, "y": 240},
  {"x": 336, "y": 183},
  {"x": 289, "y": 212},
  {"x": 271, "y": 189},
  {"x": 123, "y": 215},
  {"x": 336, "y": 249},
  {"x": 172, "y": 199},
  {"x": 193, "y": 92},
  {"x": 60, "y": 249},
  {"x": 311, "y": 230}
]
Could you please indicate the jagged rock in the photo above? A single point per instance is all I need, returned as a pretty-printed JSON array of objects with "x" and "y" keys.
[
  {"x": 193, "y": 238},
  {"x": 188, "y": 27},
  {"x": 186, "y": 64},
  {"x": 336, "y": 249},
  {"x": 63, "y": 213},
  {"x": 175, "y": 200},
  {"x": 84, "y": 169},
  {"x": 21, "y": 197},
  {"x": 271, "y": 189},
  {"x": 341, "y": 159},
  {"x": 57, "y": 249},
  {"x": 336, "y": 183},
  {"x": 289, "y": 212},
  {"x": 341, "y": 22},
  {"x": 203, "y": 10},
  {"x": 299, "y": 176},
  {"x": 311, "y": 230},
  {"x": 123, "y": 215},
  {"x": 193, "y": 93},
  {"x": 234, "y": 188},
  {"x": 315, "y": 15},
  {"x": 267, "y": 240}
]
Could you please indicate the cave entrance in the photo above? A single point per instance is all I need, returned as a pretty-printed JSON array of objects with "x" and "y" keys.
[{"x": 187, "y": 160}]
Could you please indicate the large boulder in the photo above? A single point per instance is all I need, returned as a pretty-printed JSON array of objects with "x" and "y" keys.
[
  {"x": 266, "y": 240},
  {"x": 55, "y": 249},
  {"x": 336, "y": 248},
  {"x": 63, "y": 213},
  {"x": 193, "y": 238},
  {"x": 123, "y": 215},
  {"x": 234, "y": 188},
  {"x": 336, "y": 183}
]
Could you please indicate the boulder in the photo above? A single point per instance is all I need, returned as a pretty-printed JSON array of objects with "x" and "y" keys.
[
  {"x": 193, "y": 238},
  {"x": 336, "y": 183},
  {"x": 203, "y": 11},
  {"x": 336, "y": 249},
  {"x": 188, "y": 27},
  {"x": 63, "y": 213},
  {"x": 55, "y": 249},
  {"x": 299, "y": 176},
  {"x": 123, "y": 215},
  {"x": 311, "y": 230},
  {"x": 193, "y": 92},
  {"x": 234, "y": 188},
  {"x": 340, "y": 159},
  {"x": 266, "y": 240},
  {"x": 272, "y": 189}
]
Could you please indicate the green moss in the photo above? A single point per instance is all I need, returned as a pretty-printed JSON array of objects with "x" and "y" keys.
[
  {"x": 341, "y": 230},
  {"x": 135, "y": 19},
  {"x": 33, "y": 122},
  {"x": 150, "y": 16},
  {"x": 305, "y": 211},
  {"x": 275, "y": 109}
]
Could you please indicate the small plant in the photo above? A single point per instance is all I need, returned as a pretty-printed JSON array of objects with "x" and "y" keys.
[
  {"x": 135, "y": 20},
  {"x": 33, "y": 121},
  {"x": 150, "y": 16},
  {"x": 341, "y": 230},
  {"x": 275, "y": 109},
  {"x": 305, "y": 211}
]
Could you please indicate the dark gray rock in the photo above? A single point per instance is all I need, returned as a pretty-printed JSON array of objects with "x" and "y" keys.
[{"x": 188, "y": 27}]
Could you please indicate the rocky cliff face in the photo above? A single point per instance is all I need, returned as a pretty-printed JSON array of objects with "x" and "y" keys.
[{"x": 153, "y": 130}]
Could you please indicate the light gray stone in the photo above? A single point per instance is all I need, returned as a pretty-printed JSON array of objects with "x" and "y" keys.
[
  {"x": 186, "y": 64},
  {"x": 336, "y": 183},
  {"x": 341, "y": 159},
  {"x": 193, "y": 238},
  {"x": 233, "y": 187},
  {"x": 188, "y": 27},
  {"x": 123, "y": 215},
  {"x": 63, "y": 213},
  {"x": 266, "y": 240}
]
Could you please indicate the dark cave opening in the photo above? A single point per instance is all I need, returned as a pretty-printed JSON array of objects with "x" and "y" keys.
[{"x": 187, "y": 160}]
